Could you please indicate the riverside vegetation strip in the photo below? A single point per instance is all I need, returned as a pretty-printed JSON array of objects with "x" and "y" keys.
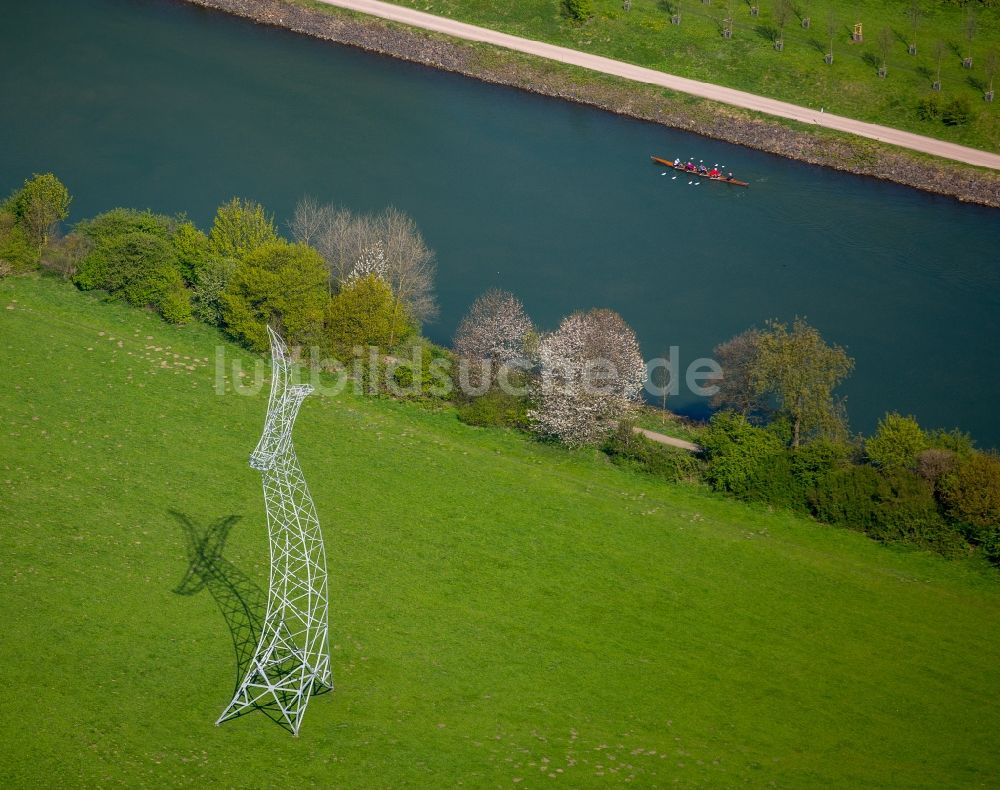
[
  {"x": 494, "y": 64},
  {"x": 558, "y": 617}
]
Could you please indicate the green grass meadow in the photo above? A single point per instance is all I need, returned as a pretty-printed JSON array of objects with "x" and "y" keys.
[
  {"x": 504, "y": 612},
  {"x": 748, "y": 61}
]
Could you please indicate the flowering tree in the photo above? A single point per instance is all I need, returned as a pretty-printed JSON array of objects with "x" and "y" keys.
[
  {"x": 371, "y": 262},
  {"x": 592, "y": 374},
  {"x": 493, "y": 332}
]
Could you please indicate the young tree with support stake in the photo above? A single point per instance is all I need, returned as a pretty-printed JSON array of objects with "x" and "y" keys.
[
  {"x": 970, "y": 36},
  {"x": 913, "y": 13},
  {"x": 990, "y": 66},
  {"x": 727, "y": 21},
  {"x": 782, "y": 9},
  {"x": 939, "y": 50},
  {"x": 831, "y": 31},
  {"x": 884, "y": 47}
]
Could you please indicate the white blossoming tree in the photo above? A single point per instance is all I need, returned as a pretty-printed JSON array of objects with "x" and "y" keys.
[
  {"x": 493, "y": 333},
  {"x": 592, "y": 374},
  {"x": 371, "y": 262}
]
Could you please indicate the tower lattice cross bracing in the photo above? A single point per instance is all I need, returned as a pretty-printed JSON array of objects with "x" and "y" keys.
[{"x": 292, "y": 660}]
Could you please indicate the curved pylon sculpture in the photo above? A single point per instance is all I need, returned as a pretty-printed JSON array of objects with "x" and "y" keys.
[{"x": 292, "y": 659}]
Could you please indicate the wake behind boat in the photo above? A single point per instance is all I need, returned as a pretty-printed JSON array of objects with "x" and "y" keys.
[{"x": 692, "y": 170}]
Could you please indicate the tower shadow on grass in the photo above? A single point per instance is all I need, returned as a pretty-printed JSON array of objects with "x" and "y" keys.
[{"x": 242, "y": 602}]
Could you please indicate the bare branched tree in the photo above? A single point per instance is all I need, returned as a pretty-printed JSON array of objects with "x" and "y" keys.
[
  {"x": 592, "y": 374},
  {"x": 737, "y": 389},
  {"x": 495, "y": 331},
  {"x": 410, "y": 264},
  {"x": 344, "y": 238},
  {"x": 339, "y": 235},
  {"x": 309, "y": 220}
]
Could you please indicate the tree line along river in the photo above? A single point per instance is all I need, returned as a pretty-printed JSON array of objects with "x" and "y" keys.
[{"x": 153, "y": 103}]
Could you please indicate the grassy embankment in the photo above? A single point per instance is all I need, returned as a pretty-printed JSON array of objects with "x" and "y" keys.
[
  {"x": 748, "y": 61},
  {"x": 502, "y": 610}
]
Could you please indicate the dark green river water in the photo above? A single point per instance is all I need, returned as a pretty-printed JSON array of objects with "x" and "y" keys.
[{"x": 150, "y": 103}]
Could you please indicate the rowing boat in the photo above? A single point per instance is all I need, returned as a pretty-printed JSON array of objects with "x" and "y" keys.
[{"x": 724, "y": 179}]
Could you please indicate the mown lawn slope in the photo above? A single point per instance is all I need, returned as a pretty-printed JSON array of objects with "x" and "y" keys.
[{"x": 503, "y": 612}]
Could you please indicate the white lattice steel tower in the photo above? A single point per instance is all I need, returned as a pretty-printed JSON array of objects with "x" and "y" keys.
[{"x": 292, "y": 659}]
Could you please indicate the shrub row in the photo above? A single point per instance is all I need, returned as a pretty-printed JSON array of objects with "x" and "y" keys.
[{"x": 901, "y": 485}]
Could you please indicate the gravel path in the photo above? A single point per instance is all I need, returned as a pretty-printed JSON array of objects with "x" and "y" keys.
[{"x": 664, "y": 439}]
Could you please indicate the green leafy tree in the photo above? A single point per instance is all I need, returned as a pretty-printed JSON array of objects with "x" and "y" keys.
[
  {"x": 735, "y": 451},
  {"x": 40, "y": 205},
  {"x": 892, "y": 506},
  {"x": 897, "y": 442},
  {"x": 104, "y": 228},
  {"x": 193, "y": 250},
  {"x": 17, "y": 253},
  {"x": 958, "y": 442},
  {"x": 814, "y": 461},
  {"x": 939, "y": 51},
  {"x": 957, "y": 112},
  {"x": 929, "y": 108},
  {"x": 140, "y": 269},
  {"x": 497, "y": 408},
  {"x": 365, "y": 313},
  {"x": 278, "y": 284},
  {"x": 240, "y": 228},
  {"x": 175, "y": 305},
  {"x": 971, "y": 493},
  {"x": 211, "y": 280},
  {"x": 419, "y": 369},
  {"x": 578, "y": 10},
  {"x": 849, "y": 497},
  {"x": 800, "y": 371},
  {"x": 782, "y": 10}
]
